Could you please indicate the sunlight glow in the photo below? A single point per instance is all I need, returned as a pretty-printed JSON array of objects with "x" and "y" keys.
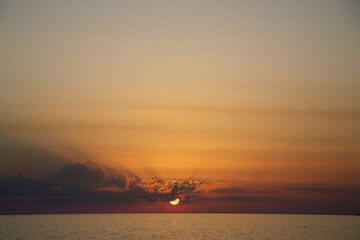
[{"x": 175, "y": 202}]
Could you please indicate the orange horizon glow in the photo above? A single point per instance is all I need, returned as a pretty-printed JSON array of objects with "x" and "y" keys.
[{"x": 252, "y": 104}]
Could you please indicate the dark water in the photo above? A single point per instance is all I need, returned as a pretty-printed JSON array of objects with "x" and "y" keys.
[{"x": 179, "y": 226}]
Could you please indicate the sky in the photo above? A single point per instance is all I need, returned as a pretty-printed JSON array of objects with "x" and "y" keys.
[{"x": 230, "y": 106}]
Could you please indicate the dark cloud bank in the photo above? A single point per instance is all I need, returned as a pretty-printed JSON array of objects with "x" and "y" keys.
[
  {"x": 89, "y": 187},
  {"x": 87, "y": 183},
  {"x": 51, "y": 183},
  {"x": 51, "y": 179}
]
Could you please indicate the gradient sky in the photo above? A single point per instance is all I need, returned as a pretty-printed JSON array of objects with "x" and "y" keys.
[{"x": 233, "y": 106}]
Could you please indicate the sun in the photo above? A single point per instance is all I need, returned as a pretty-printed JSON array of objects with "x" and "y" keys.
[{"x": 175, "y": 201}]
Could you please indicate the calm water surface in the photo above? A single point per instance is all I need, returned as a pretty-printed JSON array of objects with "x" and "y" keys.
[{"x": 179, "y": 226}]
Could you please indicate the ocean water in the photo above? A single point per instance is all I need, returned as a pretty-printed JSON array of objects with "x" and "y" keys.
[{"x": 179, "y": 226}]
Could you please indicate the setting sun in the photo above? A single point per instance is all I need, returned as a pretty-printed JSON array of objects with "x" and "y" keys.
[
  {"x": 247, "y": 112},
  {"x": 175, "y": 202}
]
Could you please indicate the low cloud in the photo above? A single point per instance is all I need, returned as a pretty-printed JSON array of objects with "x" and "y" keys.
[
  {"x": 229, "y": 190},
  {"x": 172, "y": 187},
  {"x": 88, "y": 182},
  {"x": 117, "y": 181},
  {"x": 88, "y": 175},
  {"x": 21, "y": 186},
  {"x": 317, "y": 189},
  {"x": 230, "y": 198}
]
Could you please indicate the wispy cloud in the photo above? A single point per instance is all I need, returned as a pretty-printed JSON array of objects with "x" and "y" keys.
[
  {"x": 318, "y": 189},
  {"x": 308, "y": 112}
]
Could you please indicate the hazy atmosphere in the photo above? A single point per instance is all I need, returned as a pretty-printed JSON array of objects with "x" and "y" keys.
[{"x": 230, "y": 106}]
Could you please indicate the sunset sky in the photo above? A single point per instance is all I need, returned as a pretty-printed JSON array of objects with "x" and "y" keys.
[{"x": 232, "y": 106}]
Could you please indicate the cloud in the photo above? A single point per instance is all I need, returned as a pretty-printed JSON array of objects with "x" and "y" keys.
[
  {"x": 188, "y": 198},
  {"x": 88, "y": 182},
  {"x": 173, "y": 188},
  {"x": 78, "y": 126},
  {"x": 317, "y": 189},
  {"x": 118, "y": 181},
  {"x": 20, "y": 155},
  {"x": 88, "y": 175},
  {"x": 64, "y": 192},
  {"x": 352, "y": 114},
  {"x": 104, "y": 197},
  {"x": 23, "y": 189},
  {"x": 21, "y": 186},
  {"x": 232, "y": 190}
]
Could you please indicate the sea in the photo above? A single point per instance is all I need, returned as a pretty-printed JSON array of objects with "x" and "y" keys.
[{"x": 179, "y": 226}]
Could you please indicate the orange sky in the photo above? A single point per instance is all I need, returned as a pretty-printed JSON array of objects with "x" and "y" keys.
[{"x": 260, "y": 97}]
